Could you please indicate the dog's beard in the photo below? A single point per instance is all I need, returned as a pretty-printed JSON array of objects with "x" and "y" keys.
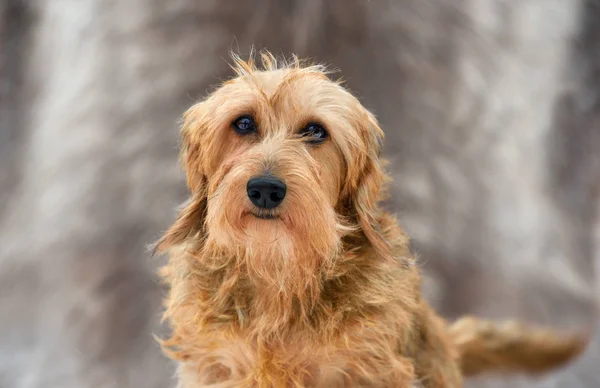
[{"x": 288, "y": 253}]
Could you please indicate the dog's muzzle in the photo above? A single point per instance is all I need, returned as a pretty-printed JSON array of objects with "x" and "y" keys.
[{"x": 266, "y": 192}]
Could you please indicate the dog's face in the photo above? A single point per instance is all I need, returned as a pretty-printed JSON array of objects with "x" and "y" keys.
[{"x": 283, "y": 162}]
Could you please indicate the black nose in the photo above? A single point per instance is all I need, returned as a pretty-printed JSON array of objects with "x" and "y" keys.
[{"x": 266, "y": 191}]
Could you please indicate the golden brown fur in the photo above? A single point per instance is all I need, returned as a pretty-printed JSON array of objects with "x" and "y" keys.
[{"x": 327, "y": 294}]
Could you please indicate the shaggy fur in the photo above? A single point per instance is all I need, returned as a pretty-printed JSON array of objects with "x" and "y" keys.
[{"x": 326, "y": 294}]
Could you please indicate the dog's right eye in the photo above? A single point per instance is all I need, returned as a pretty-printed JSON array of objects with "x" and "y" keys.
[{"x": 244, "y": 125}]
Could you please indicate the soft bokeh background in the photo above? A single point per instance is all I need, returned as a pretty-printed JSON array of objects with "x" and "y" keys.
[{"x": 492, "y": 114}]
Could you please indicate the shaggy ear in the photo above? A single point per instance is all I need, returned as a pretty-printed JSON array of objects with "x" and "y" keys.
[
  {"x": 191, "y": 151},
  {"x": 367, "y": 191},
  {"x": 190, "y": 220}
]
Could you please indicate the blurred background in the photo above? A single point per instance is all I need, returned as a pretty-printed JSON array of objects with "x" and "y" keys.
[{"x": 492, "y": 115}]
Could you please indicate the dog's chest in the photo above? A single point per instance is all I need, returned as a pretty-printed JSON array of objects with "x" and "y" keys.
[{"x": 241, "y": 364}]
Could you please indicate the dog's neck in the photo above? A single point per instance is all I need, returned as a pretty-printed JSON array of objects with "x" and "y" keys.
[
  {"x": 282, "y": 291},
  {"x": 271, "y": 301},
  {"x": 272, "y": 296}
]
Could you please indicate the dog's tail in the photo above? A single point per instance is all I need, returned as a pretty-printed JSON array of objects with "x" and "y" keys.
[{"x": 487, "y": 347}]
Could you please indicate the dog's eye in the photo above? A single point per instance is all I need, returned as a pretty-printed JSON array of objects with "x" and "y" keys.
[
  {"x": 244, "y": 125},
  {"x": 314, "y": 133}
]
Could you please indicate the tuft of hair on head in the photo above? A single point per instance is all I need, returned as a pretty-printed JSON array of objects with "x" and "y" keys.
[{"x": 266, "y": 61}]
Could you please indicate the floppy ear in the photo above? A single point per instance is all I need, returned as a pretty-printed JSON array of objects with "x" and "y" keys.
[
  {"x": 367, "y": 189},
  {"x": 191, "y": 159},
  {"x": 190, "y": 220},
  {"x": 189, "y": 223}
]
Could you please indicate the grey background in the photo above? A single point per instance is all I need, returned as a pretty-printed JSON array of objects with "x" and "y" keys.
[{"x": 492, "y": 115}]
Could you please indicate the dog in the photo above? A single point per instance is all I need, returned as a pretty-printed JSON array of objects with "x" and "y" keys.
[{"x": 285, "y": 270}]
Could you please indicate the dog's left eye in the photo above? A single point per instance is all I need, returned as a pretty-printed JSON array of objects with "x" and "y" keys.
[{"x": 314, "y": 133}]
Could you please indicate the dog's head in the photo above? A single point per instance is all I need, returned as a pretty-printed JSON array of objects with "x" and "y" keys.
[{"x": 282, "y": 162}]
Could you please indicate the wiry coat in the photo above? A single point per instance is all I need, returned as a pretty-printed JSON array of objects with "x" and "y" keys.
[{"x": 327, "y": 292}]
